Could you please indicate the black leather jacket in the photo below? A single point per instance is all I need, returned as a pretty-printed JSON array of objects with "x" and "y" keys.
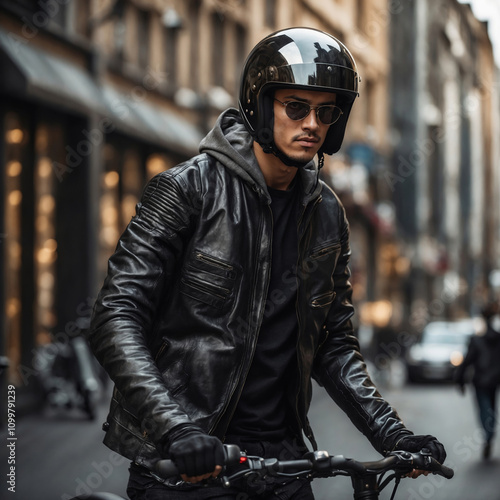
[{"x": 177, "y": 320}]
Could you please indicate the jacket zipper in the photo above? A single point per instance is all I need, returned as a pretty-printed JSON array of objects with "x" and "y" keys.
[
  {"x": 200, "y": 286},
  {"x": 324, "y": 251},
  {"x": 302, "y": 425},
  {"x": 215, "y": 262},
  {"x": 161, "y": 349},
  {"x": 254, "y": 345},
  {"x": 319, "y": 199}
]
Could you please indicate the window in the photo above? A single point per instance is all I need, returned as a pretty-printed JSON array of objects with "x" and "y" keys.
[
  {"x": 371, "y": 102},
  {"x": 48, "y": 140},
  {"x": 122, "y": 181},
  {"x": 171, "y": 43},
  {"x": 143, "y": 38},
  {"x": 360, "y": 15},
  {"x": 81, "y": 16},
  {"x": 119, "y": 30},
  {"x": 30, "y": 211},
  {"x": 270, "y": 13},
  {"x": 39, "y": 13},
  {"x": 16, "y": 144},
  {"x": 31, "y": 5},
  {"x": 218, "y": 53},
  {"x": 240, "y": 53},
  {"x": 194, "y": 16}
]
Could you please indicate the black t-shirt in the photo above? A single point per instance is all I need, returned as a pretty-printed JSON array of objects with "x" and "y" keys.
[{"x": 262, "y": 410}]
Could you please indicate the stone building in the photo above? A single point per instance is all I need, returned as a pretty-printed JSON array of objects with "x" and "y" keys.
[{"x": 445, "y": 171}]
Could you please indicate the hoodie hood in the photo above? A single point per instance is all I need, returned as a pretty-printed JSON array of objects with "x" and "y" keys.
[{"x": 231, "y": 144}]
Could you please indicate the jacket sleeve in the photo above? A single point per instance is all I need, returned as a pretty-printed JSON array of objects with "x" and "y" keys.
[
  {"x": 340, "y": 367},
  {"x": 138, "y": 276}
]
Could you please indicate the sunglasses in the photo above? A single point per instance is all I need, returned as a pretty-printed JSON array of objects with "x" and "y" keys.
[{"x": 298, "y": 110}]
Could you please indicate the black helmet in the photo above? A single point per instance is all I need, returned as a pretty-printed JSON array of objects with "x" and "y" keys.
[{"x": 302, "y": 58}]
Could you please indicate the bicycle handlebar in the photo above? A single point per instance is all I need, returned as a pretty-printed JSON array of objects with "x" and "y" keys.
[
  {"x": 401, "y": 460},
  {"x": 166, "y": 468},
  {"x": 321, "y": 464}
]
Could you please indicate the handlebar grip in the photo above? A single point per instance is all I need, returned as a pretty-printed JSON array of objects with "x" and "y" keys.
[
  {"x": 447, "y": 472},
  {"x": 437, "y": 468},
  {"x": 166, "y": 468}
]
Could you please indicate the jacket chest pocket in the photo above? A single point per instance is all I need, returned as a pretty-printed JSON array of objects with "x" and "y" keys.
[
  {"x": 327, "y": 251},
  {"x": 209, "y": 280},
  {"x": 321, "y": 263}
]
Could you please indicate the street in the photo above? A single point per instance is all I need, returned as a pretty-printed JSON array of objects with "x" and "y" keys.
[
  {"x": 426, "y": 409},
  {"x": 58, "y": 457}
]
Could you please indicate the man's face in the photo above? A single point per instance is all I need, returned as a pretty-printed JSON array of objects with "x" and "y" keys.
[{"x": 301, "y": 139}]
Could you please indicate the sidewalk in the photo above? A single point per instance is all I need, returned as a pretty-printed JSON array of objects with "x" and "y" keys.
[{"x": 58, "y": 456}]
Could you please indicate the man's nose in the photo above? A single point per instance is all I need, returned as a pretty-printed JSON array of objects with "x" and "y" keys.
[{"x": 311, "y": 122}]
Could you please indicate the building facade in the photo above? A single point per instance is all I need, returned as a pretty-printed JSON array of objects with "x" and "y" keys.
[{"x": 445, "y": 163}]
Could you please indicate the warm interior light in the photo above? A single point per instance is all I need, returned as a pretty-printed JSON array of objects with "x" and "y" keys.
[
  {"x": 156, "y": 164},
  {"x": 46, "y": 280},
  {"x": 13, "y": 307},
  {"x": 377, "y": 313},
  {"x": 109, "y": 215},
  {"x": 109, "y": 236},
  {"x": 14, "y": 255},
  {"x": 14, "y": 168},
  {"x": 44, "y": 167},
  {"x": 46, "y": 256},
  {"x": 50, "y": 244},
  {"x": 111, "y": 179},
  {"x": 15, "y": 197},
  {"x": 14, "y": 136},
  {"x": 46, "y": 204}
]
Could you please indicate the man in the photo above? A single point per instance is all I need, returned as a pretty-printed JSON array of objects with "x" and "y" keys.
[
  {"x": 483, "y": 357},
  {"x": 230, "y": 288}
]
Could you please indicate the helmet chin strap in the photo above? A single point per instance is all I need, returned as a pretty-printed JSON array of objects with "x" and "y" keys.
[{"x": 290, "y": 162}]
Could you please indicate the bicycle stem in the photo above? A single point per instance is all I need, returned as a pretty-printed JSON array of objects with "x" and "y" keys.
[{"x": 365, "y": 488}]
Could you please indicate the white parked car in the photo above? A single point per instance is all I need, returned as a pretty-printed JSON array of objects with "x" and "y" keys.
[{"x": 440, "y": 350}]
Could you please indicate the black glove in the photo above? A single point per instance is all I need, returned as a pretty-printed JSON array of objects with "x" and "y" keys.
[
  {"x": 414, "y": 444},
  {"x": 193, "y": 451}
]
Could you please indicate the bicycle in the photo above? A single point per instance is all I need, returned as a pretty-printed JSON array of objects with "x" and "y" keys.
[{"x": 367, "y": 477}]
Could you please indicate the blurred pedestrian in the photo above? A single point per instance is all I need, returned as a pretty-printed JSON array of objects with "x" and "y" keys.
[
  {"x": 230, "y": 288},
  {"x": 483, "y": 358}
]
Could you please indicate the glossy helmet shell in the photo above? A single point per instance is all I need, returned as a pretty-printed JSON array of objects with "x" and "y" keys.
[{"x": 303, "y": 58}]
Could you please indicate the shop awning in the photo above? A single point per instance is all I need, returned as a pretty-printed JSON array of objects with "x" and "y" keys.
[
  {"x": 28, "y": 71},
  {"x": 40, "y": 75},
  {"x": 151, "y": 123}
]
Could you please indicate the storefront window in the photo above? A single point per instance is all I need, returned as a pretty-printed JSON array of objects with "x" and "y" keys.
[
  {"x": 45, "y": 243},
  {"x": 126, "y": 170},
  {"x": 122, "y": 182},
  {"x": 16, "y": 137},
  {"x": 132, "y": 184},
  {"x": 109, "y": 214}
]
